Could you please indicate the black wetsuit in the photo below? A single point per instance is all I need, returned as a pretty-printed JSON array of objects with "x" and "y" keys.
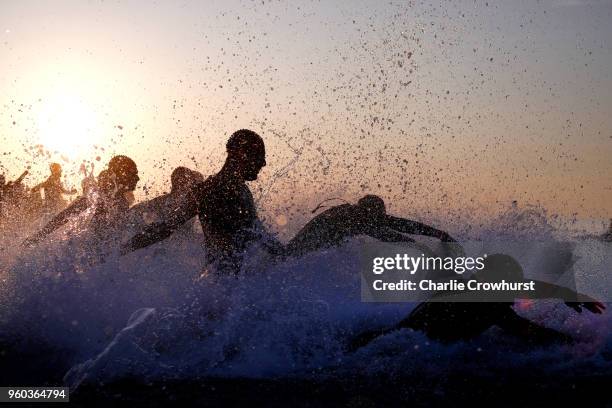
[
  {"x": 454, "y": 321},
  {"x": 336, "y": 224},
  {"x": 449, "y": 322},
  {"x": 325, "y": 230}
]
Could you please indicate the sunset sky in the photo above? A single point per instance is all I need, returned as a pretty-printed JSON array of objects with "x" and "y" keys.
[{"x": 439, "y": 107}]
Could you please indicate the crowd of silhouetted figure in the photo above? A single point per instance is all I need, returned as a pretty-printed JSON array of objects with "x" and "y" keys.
[{"x": 224, "y": 205}]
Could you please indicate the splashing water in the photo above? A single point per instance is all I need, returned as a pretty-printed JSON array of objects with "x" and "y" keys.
[{"x": 157, "y": 314}]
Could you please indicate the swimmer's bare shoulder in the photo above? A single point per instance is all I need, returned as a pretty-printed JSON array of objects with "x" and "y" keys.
[
  {"x": 204, "y": 193},
  {"x": 181, "y": 213}
]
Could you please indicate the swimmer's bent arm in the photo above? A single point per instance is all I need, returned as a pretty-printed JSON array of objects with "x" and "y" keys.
[
  {"x": 416, "y": 228},
  {"x": 159, "y": 231},
  {"x": 78, "y": 206},
  {"x": 39, "y": 186}
]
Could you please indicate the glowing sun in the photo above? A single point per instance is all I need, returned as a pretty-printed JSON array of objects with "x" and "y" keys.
[{"x": 67, "y": 124}]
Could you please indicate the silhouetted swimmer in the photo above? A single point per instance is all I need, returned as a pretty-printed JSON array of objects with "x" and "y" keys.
[
  {"x": 223, "y": 203},
  {"x": 367, "y": 217},
  {"x": 183, "y": 181},
  {"x": 12, "y": 193},
  {"x": 12, "y": 188},
  {"x": 450, "y": 316},
  {"x": 54, "y": 189},
  {"x": 108, "y": 204},
  {"x": 114, "y": 187}
]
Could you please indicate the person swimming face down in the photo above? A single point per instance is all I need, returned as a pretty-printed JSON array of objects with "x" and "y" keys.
[
  {"x": 367, "y": 217},
  {"x": 372, "y": 208},
  {"x": 461, "y": 315}
]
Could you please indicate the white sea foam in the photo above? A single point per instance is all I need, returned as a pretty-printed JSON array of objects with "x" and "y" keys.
[{"x": 156, "y": 314}]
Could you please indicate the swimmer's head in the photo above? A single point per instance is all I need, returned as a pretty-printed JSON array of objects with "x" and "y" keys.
[
  {"x": 183, "y": 178},
  {"x": 498, "y": 267},
  {"x": 246, "y": 150},
  {"x": 56, "y": 169},
  {"x": 125, "y": 172},
  {"x": 373, "y": 206}
]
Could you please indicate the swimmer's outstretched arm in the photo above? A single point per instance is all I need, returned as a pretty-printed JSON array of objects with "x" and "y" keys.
[
  {"x": 136, "y": 213},
  {"x": 78, "y": 206},
  {"x": 416, "y": 228},
  {"x": 572, "y": 299},
  {"x": 388, "y": 235},
  {"x": 159, "y": 231}
]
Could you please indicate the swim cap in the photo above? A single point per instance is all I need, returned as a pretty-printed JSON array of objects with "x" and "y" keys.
[
  {"x": 244, "y": 139},
  {"x": 373, "y": 204},
  {"x": 179, "y": 176},
  {"x": 182, "y": 176},
  {"x": 122, "y": 164}
]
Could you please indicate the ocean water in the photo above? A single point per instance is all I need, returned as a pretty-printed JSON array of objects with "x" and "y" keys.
[{"x": 157, "y": 314}]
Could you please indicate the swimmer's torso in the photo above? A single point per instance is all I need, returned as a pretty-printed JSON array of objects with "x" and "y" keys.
[
  {"x": 54, "y": 200},
  {"x": 227, "y": 213},
  {"x": 110, "y": 211},
  {"x": 330, "y": 227}
]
